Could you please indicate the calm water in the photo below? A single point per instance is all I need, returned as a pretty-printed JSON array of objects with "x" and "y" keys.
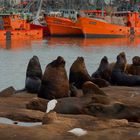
[{"x": 14, "y": 56}]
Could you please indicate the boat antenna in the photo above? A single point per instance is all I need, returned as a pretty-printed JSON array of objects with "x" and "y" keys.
[
  {"x": 102, "y": 8},
  {"x": 35, "y": 21}
]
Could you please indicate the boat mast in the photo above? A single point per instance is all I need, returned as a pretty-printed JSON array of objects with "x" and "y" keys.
[
  {"x": 102, "y": 8},
  {"x": 38, "y": 13}
]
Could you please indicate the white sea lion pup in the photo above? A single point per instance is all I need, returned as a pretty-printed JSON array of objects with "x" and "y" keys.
[
  {"x": 51, "y": 105},
  {"x": 78, "y": 132}
]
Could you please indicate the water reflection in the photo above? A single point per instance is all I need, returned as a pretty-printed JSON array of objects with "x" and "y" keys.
[
  {"x": 71, "y": 42},
  {"x": 15, "y": 44},
  {"x": 53, "y": 42}
]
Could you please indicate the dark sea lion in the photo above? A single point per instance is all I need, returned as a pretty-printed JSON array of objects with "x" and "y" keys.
[
  {"x": 114, "y": 111},
  {"x": 136, "y": 61},
  {"x": 75, "y": 92},
  {"x": 100, "y": 82},
  {"x": 104, "y": 70},
  {"x": 69, "y": 105},
  {"x": 78, "y": 73},
  {"x": 33, "y": 75},
  {"x": 119, "y": 77},
  {"x": 55, "y": 82},
  {"x": 134, "y": 68}
]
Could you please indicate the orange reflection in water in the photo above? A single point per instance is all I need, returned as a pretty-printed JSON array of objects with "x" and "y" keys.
[
  {"x": 16, "y": 44},
  {"x": 94, "y": 42}
]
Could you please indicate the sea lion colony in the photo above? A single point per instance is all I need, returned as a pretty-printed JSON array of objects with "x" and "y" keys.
[
  {"x": 82, "y": 93},
  {"x": 54, "y": 83}
]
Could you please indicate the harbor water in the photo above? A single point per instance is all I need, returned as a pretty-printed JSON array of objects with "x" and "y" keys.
[{"x": 15, "y": 55}]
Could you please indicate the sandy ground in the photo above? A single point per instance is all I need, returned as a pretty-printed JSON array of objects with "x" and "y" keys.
[{"x": 13, "y": 106}]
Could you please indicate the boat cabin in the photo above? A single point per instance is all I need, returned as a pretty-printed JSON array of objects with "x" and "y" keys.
[
  {"x": 94, "y": 13},
  {"x": 70, "y": 13},
  {"x": 14, "y": 22},
  {"x": 127, "y": 18}
]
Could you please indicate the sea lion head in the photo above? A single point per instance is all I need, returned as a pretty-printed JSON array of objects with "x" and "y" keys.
[
  {"x": 58, "y": 62},
  {"x": 136, "y": 61},
  {"x": 78, "y": 65},
  {"x": 34, "y": 68},
  {"x": 34, "y": 61},
  {"x": 121, "y": 61},
  {"x": 80, "y": 59},
  {"x": 103, "y": 64}
]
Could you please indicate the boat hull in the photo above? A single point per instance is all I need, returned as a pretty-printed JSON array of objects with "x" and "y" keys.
[
  {"x": 63, "y": 27},
  {"x": 92, "y": 28},
  {"x": 45, "y": 29},
  {"x": 21, "y": 34}
]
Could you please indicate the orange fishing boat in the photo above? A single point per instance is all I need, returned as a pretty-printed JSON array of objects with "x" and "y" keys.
[
  {"x": 63, "y": 24},
  {"x": 14, "y": 27},
  {"x": 119, "y": 24},
  {"x": 96, "y": 24}
]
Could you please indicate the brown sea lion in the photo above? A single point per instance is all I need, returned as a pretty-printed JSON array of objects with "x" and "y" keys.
[
  {"x": 34, "y": 68},
  {"x": 69, "y": 105},
  {"x": 100, "y": 82},
  {"x": 78, "y": 73},
  {"x": 55, "y": 82},
  {"x": 75, "y": 92},
  {"x": 134, "y": 68},
  {"x": 104, "y": 70},
  {"x": 115, "y": 111},
  {"x": 91, "y": 88},
  {"x": 119, "y": 77},
  {"x": 33, "y": 75},
  {"x": 136, "y": 61}
]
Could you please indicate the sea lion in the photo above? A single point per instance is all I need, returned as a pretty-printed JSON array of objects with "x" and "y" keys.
[
  {"x": 69, "y": 105},
  {"x": 55, "y": 82},
  {"x": 78, "y": 73},
  {"x": 91, "y": 88},
  {"x": 33, "y": 75},
  {"x": 136, "y": 61},
  {"x": 119, "y": 77},
  {"x": 75, "y": 92},
  {"x": 104, "y": 70},
  {"x": 134, "y": 68},
  {"x": 100, "y": 82},
  {"x": 114, "y": 111}
]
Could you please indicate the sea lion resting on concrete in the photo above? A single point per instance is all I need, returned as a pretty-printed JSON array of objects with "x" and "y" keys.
[
  {"x": 33, "y": 75},
  {"x": 114, "y": 111},
  {"x": 104, "y": 70},
  {"x": 73, "y": 105},
  {"x": 55, "y": 82},
  {"x": 79, "y": 75},
  {"x": 119, "y": 77}
]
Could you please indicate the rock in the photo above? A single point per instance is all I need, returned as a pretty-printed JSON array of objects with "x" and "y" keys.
[
  {"x": 7, "y": 92},
  {"x": 49, "y": 118},
  {"x": 37, "y": 104},
  {"x": 23, "y": 115}
]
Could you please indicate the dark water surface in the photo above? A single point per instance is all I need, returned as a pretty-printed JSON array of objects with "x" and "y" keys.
[{"x": 14, "y": 56}]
